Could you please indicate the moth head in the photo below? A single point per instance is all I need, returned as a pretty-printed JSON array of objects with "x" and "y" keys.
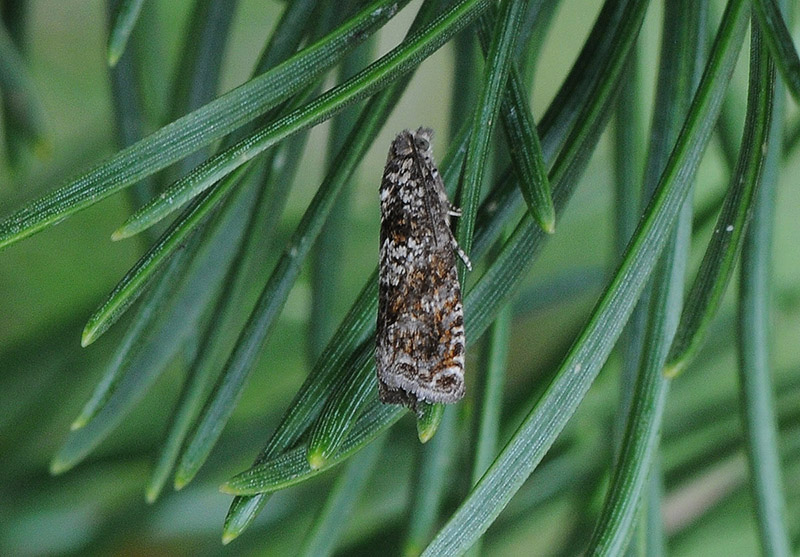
[{"x": 422, "y": 140}]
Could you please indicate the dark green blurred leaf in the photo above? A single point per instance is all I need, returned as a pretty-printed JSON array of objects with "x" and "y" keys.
[
  {"x": 779, "y": 40},
  {"x": 22, "y": 110},
  {"x": 123, "y": 22}
]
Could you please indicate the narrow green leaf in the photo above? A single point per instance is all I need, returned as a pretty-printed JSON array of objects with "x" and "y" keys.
[
  {"x": 628, "y": 156},
  {"x": 549, "y": 415},
  {"x": 129, "y": 112},
  {"x": 639, "y": 444},
  {"x": 654, "y": 543},
  {"x": 728, "y": 133},
  {"x": 292, "y": 467},
  {"x": 204, "y": 44},
  {"x": 755, "y": 339},
  {"x": 533, "y": 34},
  {"x": 526, "y": 154},
  {"x": 428, "y": 420},
  {"x": 197, "y": 129},
  {"x": 431, "y": 478},
  {"x": 523, "y": 141},
  {"x": 348, "y": 397},
  {"x": 490, "y": 399},
  {"x": 495, "y": 76},
  {"x": 464, "y": 90},
  {"x": 490, "y": 404},
  {"x": 780, "y": 44},
  {"x": 123, "y": 24},
  {"x": 723, "y": 249},
  {"x": 396, "y": 63},
  {"x": 628, "y": 207},
  {"x": 17, "y": 127},
  {"x": 289, "y": 33},
  {"x": 332, "y": 520}
]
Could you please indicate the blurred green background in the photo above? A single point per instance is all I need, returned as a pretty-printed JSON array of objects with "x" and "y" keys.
[{"x": 51, "y": 283}]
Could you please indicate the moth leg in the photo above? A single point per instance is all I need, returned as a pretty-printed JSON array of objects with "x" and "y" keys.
[
  {"x": 459, "y": 251},
  {"x": 462, "y": 255},
  {"x": 452, "y": 210}
]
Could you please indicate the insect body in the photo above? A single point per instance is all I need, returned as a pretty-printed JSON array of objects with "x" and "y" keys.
[{"x": 420, "y": 336}]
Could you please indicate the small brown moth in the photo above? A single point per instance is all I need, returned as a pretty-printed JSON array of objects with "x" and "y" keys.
[{"x": 420, "y": 336}]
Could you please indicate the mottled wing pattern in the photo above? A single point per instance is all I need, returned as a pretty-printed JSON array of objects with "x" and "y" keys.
[{"x": 420, "y": 335}]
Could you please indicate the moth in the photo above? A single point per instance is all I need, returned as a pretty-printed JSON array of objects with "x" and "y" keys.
[{"x": 420, "y": 332}]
